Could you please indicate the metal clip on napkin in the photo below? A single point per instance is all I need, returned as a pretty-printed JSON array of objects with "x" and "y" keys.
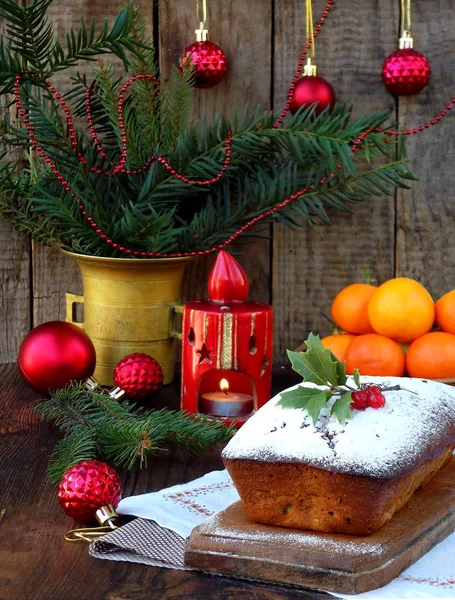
[{"x": 105, "y": 514}]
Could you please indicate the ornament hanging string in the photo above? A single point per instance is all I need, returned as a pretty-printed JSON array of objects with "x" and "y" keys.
[
  {"x": 309, "y": 27},
  {"x": 292, "y": 198},
  {"x": 201, "y": 13},
  {"x": 406, "y": 16}
]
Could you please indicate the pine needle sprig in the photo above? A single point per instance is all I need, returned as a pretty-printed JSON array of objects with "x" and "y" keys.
[
  {"x": 94, "y": 424},
  {"x": 79, "y": 445}
]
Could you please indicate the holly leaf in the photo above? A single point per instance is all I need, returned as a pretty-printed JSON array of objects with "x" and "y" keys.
[
  {"x": 357, "y": 377},
  {"x": 341, "y": 408},
  {"x": 309, "y": 399},
  {"x": 341, "y": 372},
  {"x": 317, "y": 364}
]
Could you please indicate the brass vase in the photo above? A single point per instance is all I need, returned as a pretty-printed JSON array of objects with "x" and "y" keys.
[{"x": 128, "y": 307}]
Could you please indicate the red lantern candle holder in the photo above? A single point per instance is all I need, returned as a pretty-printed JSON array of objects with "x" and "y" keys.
[{"x": 226, "y": 348}]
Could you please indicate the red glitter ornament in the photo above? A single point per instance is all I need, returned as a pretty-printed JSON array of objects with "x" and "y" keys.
[
  {"x": 311, "y": 89},
  {"x": 54, "y": 354},
  {"x": 406, "y": 72},
  {"x": 138, "y": 375},
  {"x": 86, "y": 487},
  {"x": 209, "y": 62}
]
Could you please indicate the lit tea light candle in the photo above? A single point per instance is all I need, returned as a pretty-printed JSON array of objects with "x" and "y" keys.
[{"x": 225, "y": 403}]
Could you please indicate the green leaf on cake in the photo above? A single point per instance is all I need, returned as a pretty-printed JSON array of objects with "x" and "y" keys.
[
  {"x": 317, "y": 364},
  {"x": 320, "y": 366},
  {"x": 310, "y": 399},
  {"x": 357, "y": 377},
  {"x": 341, "y": 407},
  {"x": 341, "y": 371}
]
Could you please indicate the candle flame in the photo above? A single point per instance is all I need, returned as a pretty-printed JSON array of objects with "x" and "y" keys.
[{"x": 224, "y": 385}]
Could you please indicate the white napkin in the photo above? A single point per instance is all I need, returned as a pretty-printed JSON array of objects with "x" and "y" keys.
[{"x": 182, "y": 507}]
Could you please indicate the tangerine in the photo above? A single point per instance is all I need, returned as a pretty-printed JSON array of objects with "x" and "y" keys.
[
  {"x": 445, "y": 312},
  {"x": 374, "y": 354},
  {"x": 432, "y": 356},
  {"x": 338, "y": 344},
  {"x": 401, "y": 309},
  {"x": 350, "y": 308}
]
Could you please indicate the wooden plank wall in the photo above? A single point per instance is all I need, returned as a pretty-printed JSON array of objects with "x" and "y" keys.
[{"x": 409, "y": 234}]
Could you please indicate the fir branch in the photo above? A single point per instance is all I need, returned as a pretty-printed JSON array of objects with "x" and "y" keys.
[
  {"x": 94, "y": 424},
  {"x": 79, "y": 445}
]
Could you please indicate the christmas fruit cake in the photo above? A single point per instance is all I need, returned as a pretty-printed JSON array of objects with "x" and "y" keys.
[{"x": 343, "y": 476}]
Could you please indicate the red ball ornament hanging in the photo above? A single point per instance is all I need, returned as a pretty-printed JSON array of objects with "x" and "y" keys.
[
  {"x": 88, "y": 486},
  {"x": 311, "y": 89},
  {"x": 209, "y": 63},
  {"x": 137, "y": 375},
  {"x": 54, "y": 354},
  {"x": 406, "y": 72}
]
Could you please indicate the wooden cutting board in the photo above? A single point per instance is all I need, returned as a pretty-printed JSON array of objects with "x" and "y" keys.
[{"x": 230, "y": 544}]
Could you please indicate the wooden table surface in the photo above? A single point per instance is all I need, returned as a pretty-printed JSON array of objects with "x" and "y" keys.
[{"x": 35, "y": 560}]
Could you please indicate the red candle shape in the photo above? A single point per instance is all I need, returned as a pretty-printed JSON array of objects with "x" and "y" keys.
[
  {"x": 226, "y": 336},
  {"x": 227, "y": 280}
]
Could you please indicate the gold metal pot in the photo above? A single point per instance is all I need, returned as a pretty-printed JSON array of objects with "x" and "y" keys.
[{"x": 128, "y": 307}]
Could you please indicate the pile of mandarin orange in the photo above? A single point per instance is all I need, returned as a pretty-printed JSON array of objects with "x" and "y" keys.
[{"x": 394, "y": 329}]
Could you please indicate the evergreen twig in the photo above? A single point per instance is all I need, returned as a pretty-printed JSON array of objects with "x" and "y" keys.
[{"x": 95, "y": 425}]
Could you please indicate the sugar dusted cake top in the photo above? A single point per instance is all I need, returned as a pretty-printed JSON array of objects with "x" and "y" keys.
[{"x": 416, "y": 424}]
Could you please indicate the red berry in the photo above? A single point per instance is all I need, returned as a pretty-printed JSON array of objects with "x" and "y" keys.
[
  {"x": 376, "y": 397},
  {"x": 360, "y": 400}
]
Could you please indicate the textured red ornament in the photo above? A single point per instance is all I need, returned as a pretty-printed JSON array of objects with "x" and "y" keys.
[
  {"x": 227, "y": 280},
  {"x": 54, "y": 354},
  {"x": 406, "y": 72},
  {"x": 138, "y": 375},
  {"x": 210, "y": 63},
  {"x": 311, "y": 89},
  {"x": 86, "y": 487}
]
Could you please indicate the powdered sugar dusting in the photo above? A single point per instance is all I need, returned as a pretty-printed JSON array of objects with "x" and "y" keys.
[
  {"x": 417, "y": 422},
  {"x": 345, "y": 545}
]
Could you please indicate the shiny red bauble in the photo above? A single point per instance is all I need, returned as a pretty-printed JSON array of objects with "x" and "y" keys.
[
  {"x": 209, "y": 62},
  {"x": 138, "y": 375},
  {"x": 86, "y": 487},
  {"x": 311, "y": 89},
  {"x": 406, "y": 72},
  {"x": 54, "y": 354}
]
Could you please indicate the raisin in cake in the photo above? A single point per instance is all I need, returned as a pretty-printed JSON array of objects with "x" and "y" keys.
[{"x": 348, "y": 477}]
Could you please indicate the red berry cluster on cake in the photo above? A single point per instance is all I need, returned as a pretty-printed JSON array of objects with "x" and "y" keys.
[{"x": 347, "y": 475}]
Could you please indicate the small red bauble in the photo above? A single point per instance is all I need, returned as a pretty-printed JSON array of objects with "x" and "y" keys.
[
  {"x": 209, "y": 61},
  {"x": 406, "y": 72},
  {"x": 54, "y": 354},
  {"x": 311, "y": 89},
  {"x": 138, "y": 375},
  {"x": 86, "y": 487}
]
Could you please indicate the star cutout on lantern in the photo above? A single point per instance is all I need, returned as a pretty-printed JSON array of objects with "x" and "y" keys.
[
  {"x": 264, "y": 365},
  {"x": 204, "y": 354}
]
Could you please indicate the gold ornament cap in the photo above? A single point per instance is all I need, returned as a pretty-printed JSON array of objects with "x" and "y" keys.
[
  {"x": 309, "y": 70},
  {"x": 107, "y": 515},
  {"x": 201, "y": 33},
  {"x": 406, "y": 41},
  {"x": 116, "y": 393}
]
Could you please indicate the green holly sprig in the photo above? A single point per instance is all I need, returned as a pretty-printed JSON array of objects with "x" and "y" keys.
[{"x": 319, "y": 365}]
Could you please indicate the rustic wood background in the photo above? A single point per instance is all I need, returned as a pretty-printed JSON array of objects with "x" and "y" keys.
[{"x": 409, "y": 234}]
